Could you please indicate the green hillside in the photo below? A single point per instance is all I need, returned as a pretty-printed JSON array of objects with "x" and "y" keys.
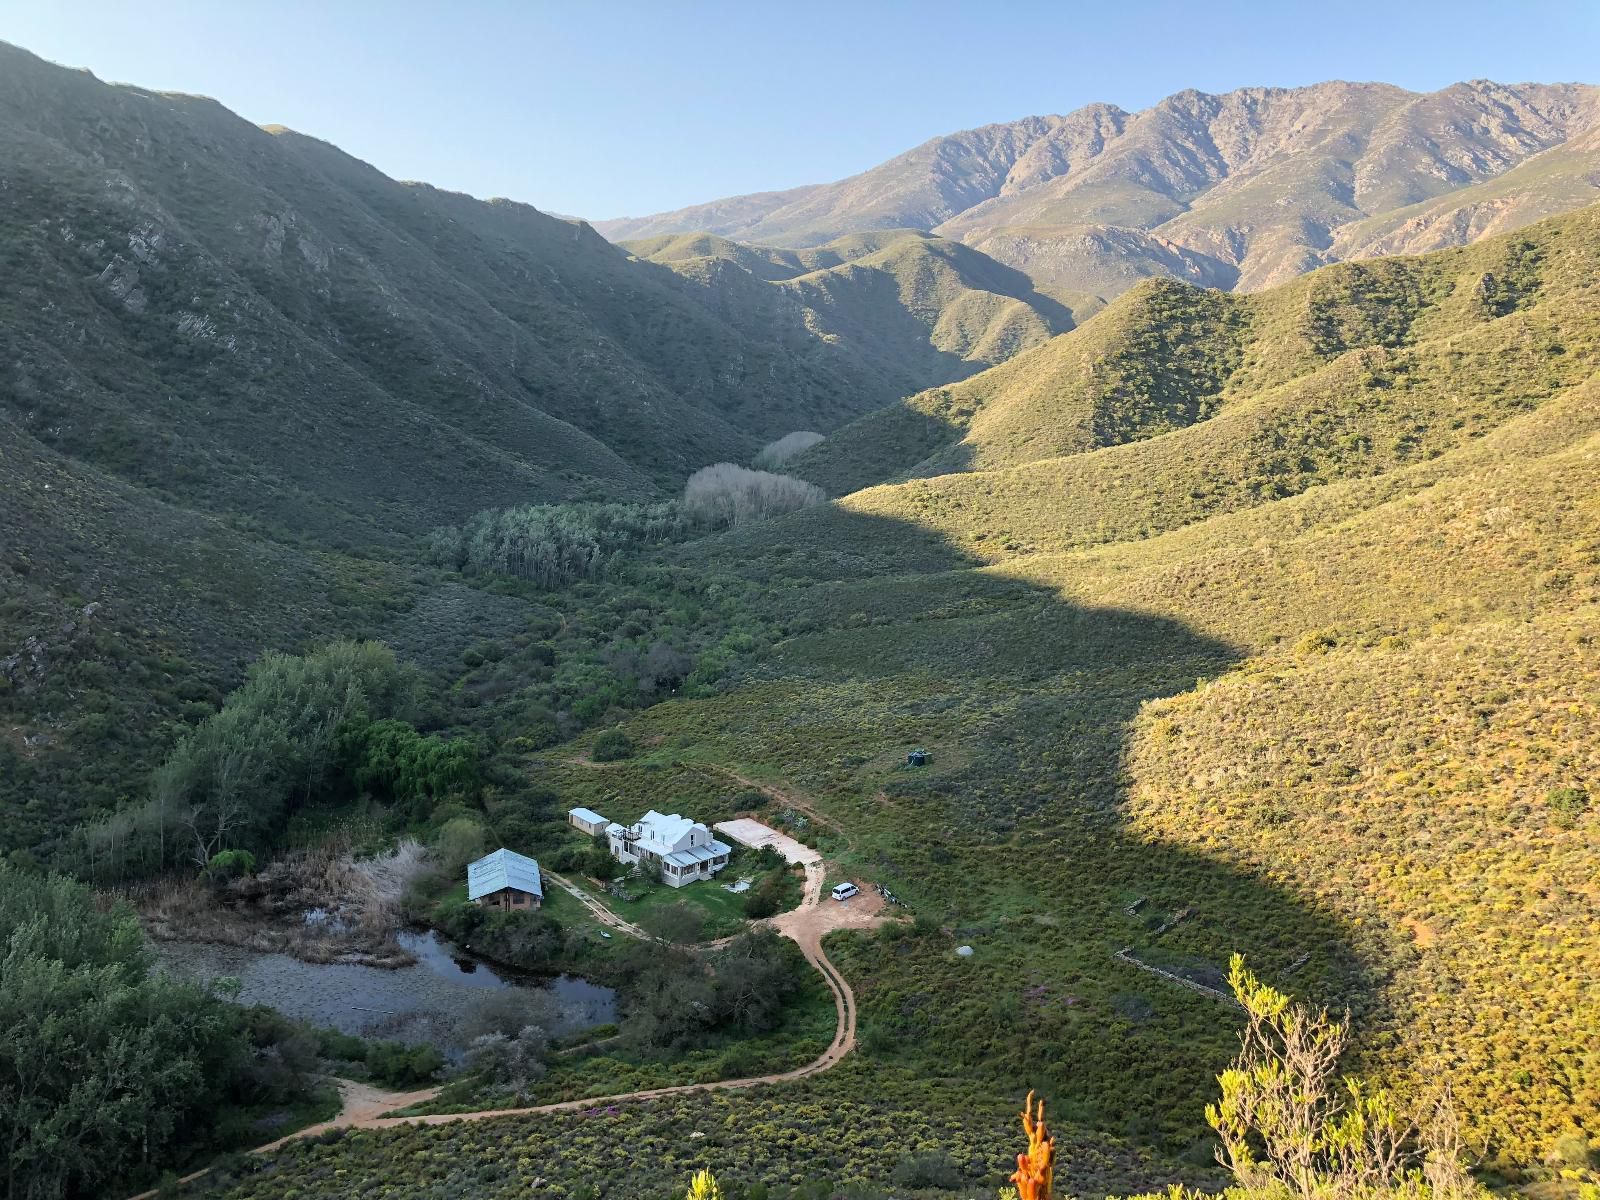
[
  {"x": 1342, "y": 721},
  {"x": 245, "y": 372},
  {"x": 227, "y": 314},
  {"x": 906, "y": 309},
  {"x": 1354, "y": 366}
]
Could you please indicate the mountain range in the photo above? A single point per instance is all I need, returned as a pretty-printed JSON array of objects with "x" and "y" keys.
[{"x": 1242, "y": 190}]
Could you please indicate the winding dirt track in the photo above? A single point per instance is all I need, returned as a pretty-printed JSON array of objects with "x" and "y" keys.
[
  {"x": 809, "y": 924},
  {"x": 364, "y": 1105}
]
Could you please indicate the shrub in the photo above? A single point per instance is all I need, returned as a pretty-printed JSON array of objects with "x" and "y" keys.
[
  {"x": 681, "y": 922},
  {"x": 927, "y": 1169},
  {"x": 1568, "y": 803},
  {"x": 230, "y": 864},
  {"x": 612, "y": 746},
  {"x": 397, "y": 1065},
  {"x": 513, "y": 1061},
  {"x": 460, "y": 841},
  {"x": 765, "y": 898},
  {"x": 1290, "y": 1126}
]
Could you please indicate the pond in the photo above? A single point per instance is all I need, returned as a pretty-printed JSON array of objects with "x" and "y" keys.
[{"x": 440, "y": 1000}]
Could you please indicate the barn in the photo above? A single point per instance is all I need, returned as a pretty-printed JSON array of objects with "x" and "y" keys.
[{"x": 505, "y": 880}]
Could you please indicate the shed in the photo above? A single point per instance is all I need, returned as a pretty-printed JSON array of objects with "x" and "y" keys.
[
  {"x": 586, "y": 820},
  {"x": 505, "y": 880}
]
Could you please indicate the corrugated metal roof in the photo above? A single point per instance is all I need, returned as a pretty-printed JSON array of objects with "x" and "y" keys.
[
  {"x": 587, "y": 815},
  {"x": 503, "y": 869},
  {"x": 698, "y": 854}
]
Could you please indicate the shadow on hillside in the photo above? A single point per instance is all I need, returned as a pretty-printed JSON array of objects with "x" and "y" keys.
[
  {"x": 886, "y": 446},
  {"x": 1018, "y": 838}
]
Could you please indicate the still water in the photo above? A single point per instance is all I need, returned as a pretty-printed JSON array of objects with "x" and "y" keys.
[{"x": 432, "y": 1001}]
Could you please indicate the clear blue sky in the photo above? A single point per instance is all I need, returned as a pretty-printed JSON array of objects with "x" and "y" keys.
[{"x": 618, "y": 107}]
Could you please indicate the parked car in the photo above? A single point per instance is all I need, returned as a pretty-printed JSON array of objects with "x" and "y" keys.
[{"x": 844, "y": 891}]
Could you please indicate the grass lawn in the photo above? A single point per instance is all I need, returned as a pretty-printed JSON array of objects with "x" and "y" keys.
[{"x": 722, "y": 910}]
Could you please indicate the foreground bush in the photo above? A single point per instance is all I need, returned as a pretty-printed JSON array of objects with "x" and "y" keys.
[{"x": 106, "y": 1068}]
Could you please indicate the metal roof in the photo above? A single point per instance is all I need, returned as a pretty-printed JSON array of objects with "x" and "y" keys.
[
  {"x": 587, "y": 815},
  {"x": 500, "y": 870},
  {"x": 698, "y": 854}
]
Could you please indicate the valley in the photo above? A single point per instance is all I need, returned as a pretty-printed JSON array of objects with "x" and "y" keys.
[{"x": 1105, "y": 578}]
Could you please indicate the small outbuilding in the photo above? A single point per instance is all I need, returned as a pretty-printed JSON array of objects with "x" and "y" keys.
[
  {"x": 586, "y": 820},
  {"x": 505, "y": 880}
]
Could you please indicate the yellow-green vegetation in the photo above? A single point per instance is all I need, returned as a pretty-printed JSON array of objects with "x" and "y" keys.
[
  {"x": 1351, "y": 370},
  {"x": 1263, "y": 624},
  {"x": 794, "y": 1143}
]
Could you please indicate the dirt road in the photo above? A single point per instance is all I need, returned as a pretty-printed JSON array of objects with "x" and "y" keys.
[{"x": 807, "y": 925}]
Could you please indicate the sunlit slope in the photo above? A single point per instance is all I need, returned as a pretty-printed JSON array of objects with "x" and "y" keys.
[
  {"x": 1399, "y": 546},
  {"x": 1407, "y": 706},
  {"x": 1175, "y": 402}
]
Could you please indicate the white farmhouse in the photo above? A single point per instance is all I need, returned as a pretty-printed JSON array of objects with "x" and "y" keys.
[{"x": 685, "y": 849}]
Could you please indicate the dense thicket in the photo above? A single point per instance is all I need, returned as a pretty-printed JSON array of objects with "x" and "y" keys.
[
  {"x": 673, "y": 1000},
  {"x": 299, "y": 730},
  {"x": 554, "y": 544},
  {"x": 105, "y": 1067}
]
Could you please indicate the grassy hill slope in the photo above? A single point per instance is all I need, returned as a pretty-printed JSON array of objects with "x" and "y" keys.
[
  {"x": 906, "y": 309},
  {"x": 1357, "y": 365}
]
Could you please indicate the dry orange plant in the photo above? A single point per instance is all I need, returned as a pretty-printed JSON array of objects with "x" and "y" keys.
[{"x": 1035, "y": 1173}]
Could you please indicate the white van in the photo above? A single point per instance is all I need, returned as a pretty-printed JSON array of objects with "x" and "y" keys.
[{"x": 844, "y": 891}]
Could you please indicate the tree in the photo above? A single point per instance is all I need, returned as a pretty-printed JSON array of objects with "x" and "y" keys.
[
  {"x": 234, "y": 779},
  {"x": 515, "y": 1061},
  {"x": 754, "y": 977},
  {"x": 724, "y": 494},
  {"x": 775, "y": 454},
  {"x": 681, "y": 922},
  {"x": 103, "y": 1065}
]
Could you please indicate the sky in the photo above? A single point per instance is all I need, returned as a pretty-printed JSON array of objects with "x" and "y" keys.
[{"x": 628, "y": 107}]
